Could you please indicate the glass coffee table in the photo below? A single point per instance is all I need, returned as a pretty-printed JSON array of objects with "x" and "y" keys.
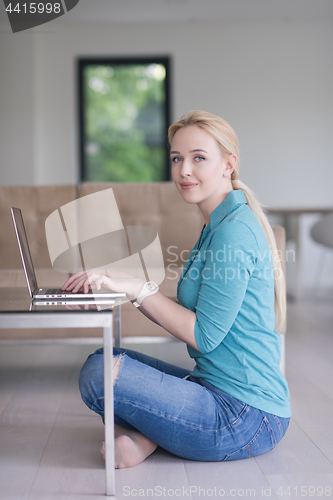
[{"x": 18, "y": 311}]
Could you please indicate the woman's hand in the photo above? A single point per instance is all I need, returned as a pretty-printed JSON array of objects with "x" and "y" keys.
[
  {"x": 76, "y": 282},
  {"x": 116, "y": 281}
]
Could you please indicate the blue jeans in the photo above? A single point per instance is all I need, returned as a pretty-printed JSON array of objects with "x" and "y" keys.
[{"x": 188, "y": 417}]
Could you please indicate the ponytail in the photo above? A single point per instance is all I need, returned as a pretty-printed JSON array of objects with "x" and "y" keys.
[{"x": 280, "y": 305}]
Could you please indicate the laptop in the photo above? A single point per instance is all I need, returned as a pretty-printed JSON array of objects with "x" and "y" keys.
[{"x": 48, "y": 292}]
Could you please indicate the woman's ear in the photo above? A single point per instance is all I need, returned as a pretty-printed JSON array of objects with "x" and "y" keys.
[{"x": 230, "y": 165}]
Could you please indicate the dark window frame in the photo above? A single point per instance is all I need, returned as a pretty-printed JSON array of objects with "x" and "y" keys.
[{"x": 83, "y": 62}]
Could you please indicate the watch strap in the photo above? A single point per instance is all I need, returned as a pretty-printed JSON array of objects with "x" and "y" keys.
[{"x": 149, "y": 288}]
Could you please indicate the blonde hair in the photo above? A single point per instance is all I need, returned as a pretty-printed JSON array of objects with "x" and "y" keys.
[{"x": 227, "y": 140}]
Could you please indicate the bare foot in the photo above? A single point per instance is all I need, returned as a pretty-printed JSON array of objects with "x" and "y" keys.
[{"x": 131, "y": 449}]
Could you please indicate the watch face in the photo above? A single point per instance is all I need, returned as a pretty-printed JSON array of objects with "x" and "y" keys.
[{"x": 151, "y": 286}]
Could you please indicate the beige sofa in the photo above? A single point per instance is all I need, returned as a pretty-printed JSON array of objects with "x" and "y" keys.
[{"x": 158, "y": 205}]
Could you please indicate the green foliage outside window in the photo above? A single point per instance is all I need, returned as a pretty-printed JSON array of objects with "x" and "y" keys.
[{"x": 124, "y": 122}]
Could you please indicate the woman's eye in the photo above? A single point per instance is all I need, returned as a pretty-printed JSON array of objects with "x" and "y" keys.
[
  {"x": 199, "y": 158},
  {"x": 176, "y": 159}
]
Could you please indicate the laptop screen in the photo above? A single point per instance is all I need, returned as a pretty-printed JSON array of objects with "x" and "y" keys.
[{"x": 24, "y": 250}]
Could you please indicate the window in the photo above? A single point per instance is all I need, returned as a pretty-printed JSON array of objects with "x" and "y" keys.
[{"x": 124, "y": 117}]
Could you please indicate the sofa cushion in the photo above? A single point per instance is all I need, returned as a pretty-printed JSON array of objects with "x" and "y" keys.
[
  {"x": 158, "y": 205},
  {"x": 36, "y": 203}
]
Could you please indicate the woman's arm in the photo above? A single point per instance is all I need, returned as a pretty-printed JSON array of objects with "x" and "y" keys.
[
  {"x": 145, "y": 313},
  {"x": 171, "y": 316}
]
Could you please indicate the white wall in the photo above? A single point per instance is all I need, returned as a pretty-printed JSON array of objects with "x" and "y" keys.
[
  {"x": 273, "y": 82},
  {"x": 17, "y": 113}
]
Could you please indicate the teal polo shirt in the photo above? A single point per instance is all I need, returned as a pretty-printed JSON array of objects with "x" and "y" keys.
[{"x": 228, "y": 281}]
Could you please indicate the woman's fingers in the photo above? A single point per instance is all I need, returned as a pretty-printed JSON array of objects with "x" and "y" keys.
[
  {"x": 88, "y": 282},
  {"x": 115, "y": 281},
  {"x": 79, "y": 285},
  {"x": 83, "y": 280},
  {"x": 73, "y": 278},
  {"x": 100, "y": 281},
  {"x": 72, "y": 284},
  {"x": 97, "y": 279}
]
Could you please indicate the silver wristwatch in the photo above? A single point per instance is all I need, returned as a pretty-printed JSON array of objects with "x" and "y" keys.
[{"x": 149, "y": 288}]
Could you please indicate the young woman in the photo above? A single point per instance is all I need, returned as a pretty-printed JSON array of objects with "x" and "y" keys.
[{"x": 231, "y": 297}]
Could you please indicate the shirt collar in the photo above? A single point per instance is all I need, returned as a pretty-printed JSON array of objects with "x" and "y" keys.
[{"x": 234, "y": 198}]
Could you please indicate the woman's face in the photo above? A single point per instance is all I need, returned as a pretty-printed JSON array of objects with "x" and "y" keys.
[{"x": 199, "y": 169}]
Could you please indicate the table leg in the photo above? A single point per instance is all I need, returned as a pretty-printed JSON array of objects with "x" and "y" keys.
[
  {"x": 117, "y": 326},
  {"x": 109, "y": 410},
  {"x": 291, "y": 223},
  {"x": 298, "y": 257}
]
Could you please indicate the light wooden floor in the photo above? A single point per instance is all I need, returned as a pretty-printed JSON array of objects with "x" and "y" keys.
[{"x": 49, "y": 441}]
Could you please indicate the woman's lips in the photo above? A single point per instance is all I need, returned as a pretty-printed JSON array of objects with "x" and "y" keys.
[{"x": 188, "y": 185}]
